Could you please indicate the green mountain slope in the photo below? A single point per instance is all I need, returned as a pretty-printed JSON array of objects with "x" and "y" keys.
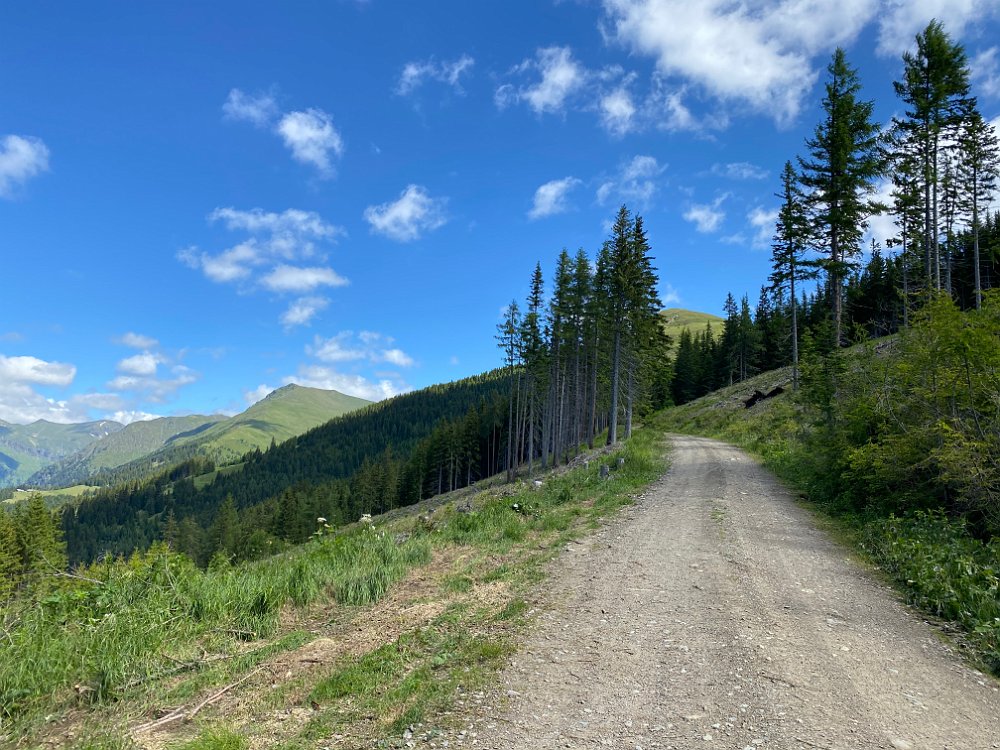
[
  {"x": 676, "y": 320},
  {"x": 24, "y": 449},
  {"x": 283, "y": 414},
  {"x": 134, "y": 441}
]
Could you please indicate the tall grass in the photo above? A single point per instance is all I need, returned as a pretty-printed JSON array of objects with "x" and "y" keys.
[{"x": 94, "y": 641}]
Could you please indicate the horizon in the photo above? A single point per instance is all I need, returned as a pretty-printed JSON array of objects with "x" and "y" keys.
[{"x": 204, "y": 204}]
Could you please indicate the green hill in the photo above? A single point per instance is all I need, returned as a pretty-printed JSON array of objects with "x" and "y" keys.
[
  {"x": 676, "y": 320},
  {"x": 134, "y": 441},
  {"x": 24, "y": 449},
  {"x": 284, "y": 413}
]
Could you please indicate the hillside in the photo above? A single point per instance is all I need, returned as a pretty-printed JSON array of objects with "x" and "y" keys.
[
  {"x": 134, "y": 441},
  {"x": 313, "y": 466},
  {"x": 676, "y": 320},
  {"x": 284, "y": 413},
  {"x": 24, "y": 449}
]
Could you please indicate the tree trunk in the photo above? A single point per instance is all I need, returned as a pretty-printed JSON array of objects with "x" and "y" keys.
[
  {"x": 795, "y": 331},
  {"x": 975, "y": 237},
  {"x": 615, "y": 368}
]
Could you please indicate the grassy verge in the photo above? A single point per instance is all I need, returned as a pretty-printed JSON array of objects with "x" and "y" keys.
[
  {"x": 931, "y": 558},
  {"x": 141, "y": 638}
]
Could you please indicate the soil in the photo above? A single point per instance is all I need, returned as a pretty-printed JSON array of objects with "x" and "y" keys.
[{"x": 714, "y": 613}]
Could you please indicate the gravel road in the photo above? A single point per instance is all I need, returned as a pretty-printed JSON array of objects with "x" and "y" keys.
[{"x": 713, "y": 613}]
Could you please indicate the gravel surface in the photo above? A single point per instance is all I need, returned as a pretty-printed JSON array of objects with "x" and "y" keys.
[{"x": 713, "y": 613}]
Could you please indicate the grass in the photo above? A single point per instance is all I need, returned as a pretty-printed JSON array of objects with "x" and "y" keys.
[
  {"x": 156, "y": 630},
  {"x": 676, "y": 320}
]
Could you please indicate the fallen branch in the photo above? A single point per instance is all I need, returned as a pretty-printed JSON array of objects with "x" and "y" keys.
[
  {"x": 181, "y": 714},
  {"x": 211, "y": 699}
]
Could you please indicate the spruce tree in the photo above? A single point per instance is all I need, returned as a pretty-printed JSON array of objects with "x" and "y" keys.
[
  {"x": 935, "y": 89},
  {"x": 508, "y": 340},
  {"x": 43, "y": 551},
  {"x": 10, "y": 557},
  {"x": 619, "y": 275},
  {"x": 980, "y": 170},
  {"x": 845, "y": 159},
  {"x": 535, "y": 356},
  {"x": 791, "y": 238}
]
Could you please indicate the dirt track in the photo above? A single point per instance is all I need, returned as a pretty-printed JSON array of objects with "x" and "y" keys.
[{"x": 715, "y": 614}]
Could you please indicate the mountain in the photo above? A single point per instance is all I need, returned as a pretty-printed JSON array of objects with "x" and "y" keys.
[
  {"x": 283, "y": 414},
  {"x": 676, "y": 320},
  {"x": 134, "y": 441},
  {"x": 24, "y": 449}
]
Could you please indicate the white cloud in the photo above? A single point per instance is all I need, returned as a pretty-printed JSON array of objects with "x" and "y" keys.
[
  {"x": 34, "y": 370},
  {"x": 132, "y": 415},
  {"x": 986, "y": 73},
  {"x": 347, "y": 349},
  {"x": 290, "y": 226},
  {"x": 140, "y": 364},
  {"x": 270, "y": 257},
  {"x": 21, "y": 158},
  {"x": 669, "y": 295},
  {"x": 294, "y": 279},
  {"x": 881, "y": 226},
  {"x": 416, "y": 72},
  {"x": 560, "y": 77},
  {"x": 259, "y": 109},
  {"x": 20, "y": 403},
  {"x": 233, "y": 264},
  {"x": 365, "y": 346},
  {"x": 740, "y": 170},
  {"x": 338, "y": 348},
  {"x": 618, "y": 111},
  {"x": 550, "y": 198},
  {"x": 309, "y": 134},
  {"x": 707, "y": 217},
  {"x": 635, "y": 183},
  {"x": 258, "y": 393},
  {"x": 316, "y": 376},
  {"x": 138, "y": 341},
  {"x": 901, "y": 20},
  {"x": 311, "y": 138},
  {"x": 396, "y": 357},
  {"x": 151, "y": 388},
  {"x": 301, "y": 311},
  {"x": 762, "y": 220},
  {"x": 409, "y": 217},
  {"x": 757, "y": 53}
]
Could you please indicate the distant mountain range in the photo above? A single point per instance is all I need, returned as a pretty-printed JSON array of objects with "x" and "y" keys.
[
  {"x": 24, "y": 449},
  {"x": 127, "y": 444},
  {"x": 116, "y": 452}
]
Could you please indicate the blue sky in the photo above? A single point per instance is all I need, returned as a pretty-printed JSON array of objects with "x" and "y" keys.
[{"x": 203, "y": 201}]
